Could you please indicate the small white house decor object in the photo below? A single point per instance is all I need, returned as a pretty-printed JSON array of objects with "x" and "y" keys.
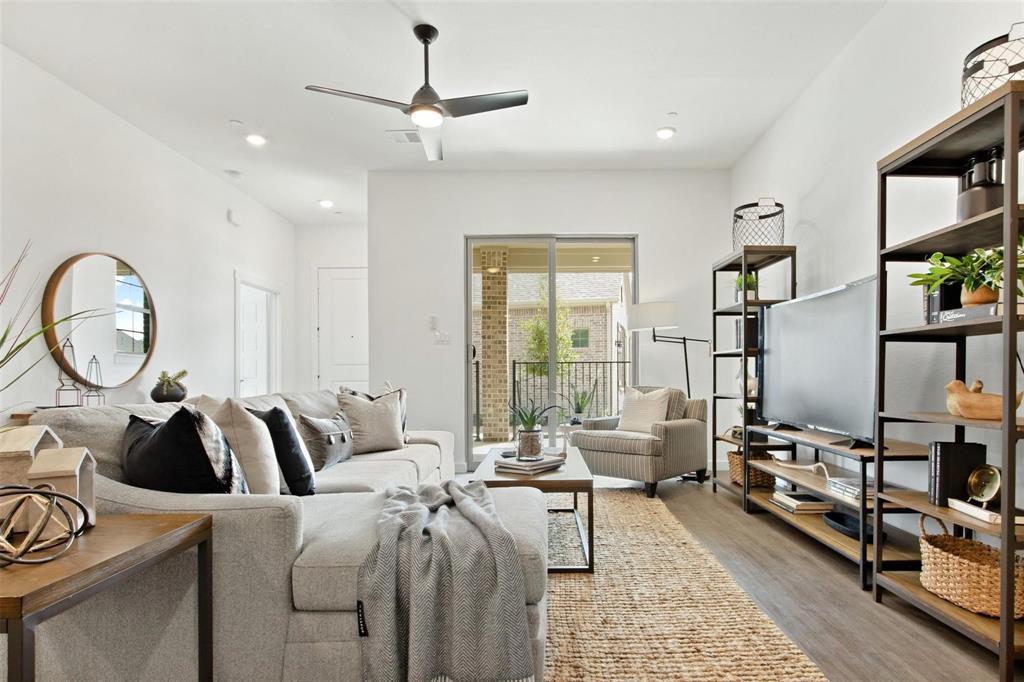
[
  {"x": 71, "y": 471},
  {"x": 18, "y": 449}
]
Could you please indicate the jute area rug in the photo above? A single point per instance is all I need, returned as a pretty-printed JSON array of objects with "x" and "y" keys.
[{"x": 658, "y": 607}]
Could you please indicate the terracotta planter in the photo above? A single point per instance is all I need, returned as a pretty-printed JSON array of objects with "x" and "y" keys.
[
  {"x": 979, "y": 296},
  {"x": 529, "y": 443}
]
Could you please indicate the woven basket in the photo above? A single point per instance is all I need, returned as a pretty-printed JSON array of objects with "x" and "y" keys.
[
  {"x": 758, "y": 478},
  {"x": 966, "y": 572}
]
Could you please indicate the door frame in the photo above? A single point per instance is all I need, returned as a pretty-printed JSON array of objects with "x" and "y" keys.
[
  {"x": 273, "y": 333},
  {"x": 316, "y": 313},
  {"x": 552, "y": 241}
]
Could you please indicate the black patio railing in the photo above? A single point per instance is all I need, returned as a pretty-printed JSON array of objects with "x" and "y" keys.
[{"x": 607, "y": 378}]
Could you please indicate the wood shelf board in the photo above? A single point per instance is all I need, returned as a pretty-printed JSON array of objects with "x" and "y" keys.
[
  {"x": 946, "y": 147},
  {"x": 732, "y": 396},
  {"x": 918, "y": 501},
  {"x": 758, "y": 257},
  {"x": 737, "y": 442},
  {"x": 948, "y": 330},
  {"x": 982, "y": 629},
  {"x": 981, "y": 231},
  {"x": 808, "y": 480},
  {"x": 814, "y": 526},
  {"x": 948, "y": 419},
  {"x": 824, "y": 441},
  {"x": 734, "y": 353},
  {"x": 736, "y": 308},
  {"x": 723, "y": 482}
]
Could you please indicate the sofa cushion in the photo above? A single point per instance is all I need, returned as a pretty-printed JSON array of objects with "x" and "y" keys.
[
  {"x": 641, "y": 410},
  {"x": 426, "y": 457},
  {"x": 361, "y": 475},
  {"x": 250, "y": 440},
  {"x": 625, "y": 442},
  {"x": 676, "y": 402},
  {"x": 101, "y": 429},
  {"x": 376, "y": 423},
  {"x": 291, "y": 453},
  {"x": 320, "y": 404},
  {"x": 328, "y": 441},
  {"x": 339, "y": 530}
]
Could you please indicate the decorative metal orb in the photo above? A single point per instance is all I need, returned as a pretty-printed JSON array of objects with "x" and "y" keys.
[{"x": 49, "y": 509}]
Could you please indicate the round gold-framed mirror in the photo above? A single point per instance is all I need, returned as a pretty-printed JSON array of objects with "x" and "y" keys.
[{"x": 118, "y": 338}]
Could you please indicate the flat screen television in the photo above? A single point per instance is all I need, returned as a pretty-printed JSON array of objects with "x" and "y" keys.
[{"x": 816, "y": 368}]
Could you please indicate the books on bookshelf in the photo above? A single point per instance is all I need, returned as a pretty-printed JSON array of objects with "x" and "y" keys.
[
  {"x": 949, "y": 466},
  {"x": 986, "y": 515},
  {"x": 800, "y": 503},
  {"x": 976, "y": 312},
  {"x": 515, "y": 466}
]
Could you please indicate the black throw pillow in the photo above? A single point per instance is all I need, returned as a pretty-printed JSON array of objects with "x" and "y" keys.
[
  {"x": 291, "y": 455},
  {"x": 184, "y": 454}
]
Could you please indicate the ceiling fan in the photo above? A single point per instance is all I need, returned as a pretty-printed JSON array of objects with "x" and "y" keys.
[{"x": 427, "y": 110}]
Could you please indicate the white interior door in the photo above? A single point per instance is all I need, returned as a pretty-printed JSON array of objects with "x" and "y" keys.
[
  {"x": 343, "y": 324},
  {"x": 254, "y": 339}
]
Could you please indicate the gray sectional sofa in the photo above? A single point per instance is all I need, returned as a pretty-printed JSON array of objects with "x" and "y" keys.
[{"x": 284, "y": 567}]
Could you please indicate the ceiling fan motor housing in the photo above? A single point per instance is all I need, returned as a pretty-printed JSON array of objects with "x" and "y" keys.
[{"x": 425, "y": 33}]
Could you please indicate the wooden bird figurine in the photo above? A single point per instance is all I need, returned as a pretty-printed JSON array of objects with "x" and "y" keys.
[{"x": 972, "y": 403}]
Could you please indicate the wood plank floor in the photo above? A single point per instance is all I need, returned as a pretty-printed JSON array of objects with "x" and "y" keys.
[{"x": 814, "y": 596}]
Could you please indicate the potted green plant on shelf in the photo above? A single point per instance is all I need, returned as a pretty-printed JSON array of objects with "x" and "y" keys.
[
  {"x": 979, "y": 272},
  {"x": 751, "y": 287},
  {"x": 528, "y": 417},
  {"x": 169, "y": 388},
  {"x": 579, "y": 401}
]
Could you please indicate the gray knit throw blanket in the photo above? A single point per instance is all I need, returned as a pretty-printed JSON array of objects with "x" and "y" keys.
[{"x": 442, "y": 595}]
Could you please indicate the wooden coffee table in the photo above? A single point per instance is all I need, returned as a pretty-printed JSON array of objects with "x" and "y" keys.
[{"x": 572, "y": 477}]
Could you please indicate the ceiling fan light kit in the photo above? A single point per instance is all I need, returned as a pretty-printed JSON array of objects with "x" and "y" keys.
[{"x": 426, "y": 109}]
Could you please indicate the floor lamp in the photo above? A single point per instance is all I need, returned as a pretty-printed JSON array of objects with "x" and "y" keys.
[{"x": 662, "y": 315}]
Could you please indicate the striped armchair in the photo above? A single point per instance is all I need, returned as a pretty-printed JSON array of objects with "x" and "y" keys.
[{"x": 676, "y": 446}]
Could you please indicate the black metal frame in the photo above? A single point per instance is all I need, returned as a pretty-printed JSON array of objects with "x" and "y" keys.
[
  {"x": 915, "y": 162},
  {"x": 21, "y": 631},
  {"x": 586, "y": 542},
  {"x": 683, "y": 340}
]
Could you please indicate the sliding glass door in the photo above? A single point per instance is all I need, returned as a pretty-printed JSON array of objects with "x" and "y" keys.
[{"x": 545, "y": 320}]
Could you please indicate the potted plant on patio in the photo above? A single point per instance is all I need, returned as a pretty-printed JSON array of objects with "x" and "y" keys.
[
  {"x": 579, "y": 401},
  {"x": 528, "y": 416}
]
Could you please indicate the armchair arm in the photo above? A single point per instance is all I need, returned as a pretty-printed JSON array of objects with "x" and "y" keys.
[
  {"x": 256, "y": 539},
  {"x": 684, "y": 444},
  {"x": 601, "y": 424}
]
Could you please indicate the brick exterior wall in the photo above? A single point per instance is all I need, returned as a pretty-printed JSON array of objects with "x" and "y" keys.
[{"x": 492, "y": 349}]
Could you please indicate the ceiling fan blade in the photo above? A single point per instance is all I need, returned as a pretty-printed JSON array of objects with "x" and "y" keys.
[
  {"x": 477, "y": 104},
  {"x": 431, "y": 140},
  {"x": 363, "y": 98}
]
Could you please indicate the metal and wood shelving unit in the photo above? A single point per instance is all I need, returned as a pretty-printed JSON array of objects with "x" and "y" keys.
[
  {"x": 747, "y": 260},
  {"x": 900, "y": 552},
  {"x": 993, "y": 121}
]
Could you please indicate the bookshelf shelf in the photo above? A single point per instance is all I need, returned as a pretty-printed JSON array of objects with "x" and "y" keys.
[{"x": 993, "y": 121}]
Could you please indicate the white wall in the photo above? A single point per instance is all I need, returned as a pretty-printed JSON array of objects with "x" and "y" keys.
[
  {"x": 319, "y": 246},
  {"x": 417, "y": 226},
  {"x": 77, "y": 178},
  {"x": 896, "y": 79}
]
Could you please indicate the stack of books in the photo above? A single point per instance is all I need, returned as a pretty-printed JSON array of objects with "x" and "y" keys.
[
  {"x": 515, "y": 466},
  {"x": 976, "y": 312},
  {"x": 949, "y": 467},
  {"x": 800, "y": 503},
  {"x": 986, "y": 515},
  {"x": 850, "y": 488}
]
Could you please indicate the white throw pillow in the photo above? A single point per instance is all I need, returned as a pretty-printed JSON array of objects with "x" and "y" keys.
[
  {"x": 641, "y": 410},
  {"x": 376, "y": 424},
  {"x": 250, "y": 440}
]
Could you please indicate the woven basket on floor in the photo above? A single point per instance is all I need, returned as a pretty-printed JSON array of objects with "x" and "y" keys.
[
  {"x": 966, "y": 572},
  {"x": 758, "y": 478}
]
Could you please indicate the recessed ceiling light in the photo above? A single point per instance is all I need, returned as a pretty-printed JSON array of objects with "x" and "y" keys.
[
  {"x": 665, "y": 132},
  {"x": 255, "y": 140},
  {"x": 326, "y": 203}
]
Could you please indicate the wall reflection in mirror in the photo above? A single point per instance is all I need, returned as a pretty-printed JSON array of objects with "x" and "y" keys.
[{"x": 120, "y": 333}]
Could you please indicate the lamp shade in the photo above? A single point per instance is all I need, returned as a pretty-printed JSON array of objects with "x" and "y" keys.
[{"x": 654, "y": 315}]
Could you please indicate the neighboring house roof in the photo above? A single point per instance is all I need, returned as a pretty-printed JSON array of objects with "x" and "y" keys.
[{"x": 525, "y": 289}]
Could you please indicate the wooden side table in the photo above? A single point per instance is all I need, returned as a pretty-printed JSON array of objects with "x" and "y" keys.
[{"x": 119, "y": 546}]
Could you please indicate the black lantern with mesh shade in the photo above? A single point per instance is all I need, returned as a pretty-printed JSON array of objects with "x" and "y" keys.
[
  {"x": 761, "y": 223},
  {"x": 68, "y": 394},
  {"x": 992, "y": 64}
]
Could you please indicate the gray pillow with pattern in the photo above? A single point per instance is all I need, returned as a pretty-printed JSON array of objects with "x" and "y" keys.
[{"x": 329, "y": 441}]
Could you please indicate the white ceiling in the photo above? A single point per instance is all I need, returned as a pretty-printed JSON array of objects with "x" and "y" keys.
[{"x": 601, "y": 77}]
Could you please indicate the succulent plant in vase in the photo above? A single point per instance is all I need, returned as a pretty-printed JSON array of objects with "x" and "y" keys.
[
  {"x": 751, "y": 286},
  {"x": 169, "y": 388},
  {"x": 528, "y": 417},
  {"x": 579, "y": 402}
]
